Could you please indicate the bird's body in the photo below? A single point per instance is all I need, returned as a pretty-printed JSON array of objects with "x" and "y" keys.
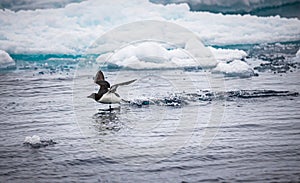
[
  {"x": 107, "y": 94},
  {"x": 110, "y": 98}
]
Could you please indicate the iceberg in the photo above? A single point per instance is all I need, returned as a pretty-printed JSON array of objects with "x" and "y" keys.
[
  {"x": 227, "y": 54},
  {"x": 36, "y": 142},
  {"x": 32, "y": 139},
  {"x": 72, "y": 29},
  {"x": 296, "y": 59},
  {"x": 5, "y": 60},
  {"x": 152, "y": 55},
  {"x": 235, "y": 68}
]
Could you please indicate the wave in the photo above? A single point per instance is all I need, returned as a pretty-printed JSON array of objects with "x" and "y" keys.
[{"x": 181, "y": 99}]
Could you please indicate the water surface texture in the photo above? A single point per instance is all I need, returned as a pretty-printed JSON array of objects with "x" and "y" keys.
[
  {"x": 216, "y": 96},
  {"x": 257, "y": 139}
]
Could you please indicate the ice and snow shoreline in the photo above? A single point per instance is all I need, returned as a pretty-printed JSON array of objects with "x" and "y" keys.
[
  {"x": 148, "y": 56},
  {"x": 72, "y": 29}
]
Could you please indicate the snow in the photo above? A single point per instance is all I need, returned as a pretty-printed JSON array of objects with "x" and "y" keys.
[
  {"x": 152, "y": 55},
  {"x": 234, "y": 68},
  {"x": 227, "y": 54},
  {"x": 72, "y": 29},
  {"x": 6, "y": 60}
]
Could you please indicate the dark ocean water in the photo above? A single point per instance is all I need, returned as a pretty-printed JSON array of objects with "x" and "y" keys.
[
  {"x": 288, "y": 10},
  {"x": 179, "y": 125}
]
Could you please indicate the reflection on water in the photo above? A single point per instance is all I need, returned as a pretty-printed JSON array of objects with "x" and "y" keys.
[{"x": 106, "y": 120}]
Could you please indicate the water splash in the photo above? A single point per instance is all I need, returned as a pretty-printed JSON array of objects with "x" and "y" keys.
[{"x": 181, "y": 99}]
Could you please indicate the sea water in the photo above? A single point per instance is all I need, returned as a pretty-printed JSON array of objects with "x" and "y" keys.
[
  {"x": 235, "y": 119},
  {"x": 176, "y": 124}
]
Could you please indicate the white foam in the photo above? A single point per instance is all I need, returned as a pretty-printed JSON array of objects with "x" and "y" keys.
[
  {"x": 32, "y": 139},
  {"x": 73, "y": 28},
  {"x": 6, "y": 60},
  {"x": 234, "y": 68}
]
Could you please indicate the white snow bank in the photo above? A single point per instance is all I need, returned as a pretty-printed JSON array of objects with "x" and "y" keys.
[
  {"x": 151, "y": 55},
  {"x": 32, "y": 139},
  {"x": 5, "y": 60},
  {"x": 73, "y": 28},
  {"x": 234, "y": 68}
]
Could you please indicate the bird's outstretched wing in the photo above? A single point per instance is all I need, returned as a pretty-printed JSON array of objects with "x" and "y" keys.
[
  {"x": 114, "y": 87},
  {"x": 99, "y": 77},
  {"x": 104, "y": 85}
]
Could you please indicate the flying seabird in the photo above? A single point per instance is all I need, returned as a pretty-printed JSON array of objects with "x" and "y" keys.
[{"x": 107, "y": 94}]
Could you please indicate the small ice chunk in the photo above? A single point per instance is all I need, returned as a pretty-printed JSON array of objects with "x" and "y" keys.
[
  {"x": 298, "y": 53},
  {"x": 297, "y": 57},
  {"x": 32, "y": 139},
  {"x": 227, "y": 54},
  {"x": 5, "y": 60},
  {"x": 36, "y": 142},
  {"x": 234, "y": 68}
]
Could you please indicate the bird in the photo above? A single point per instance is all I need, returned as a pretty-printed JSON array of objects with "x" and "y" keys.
[{"x": 107, "y": 94}]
